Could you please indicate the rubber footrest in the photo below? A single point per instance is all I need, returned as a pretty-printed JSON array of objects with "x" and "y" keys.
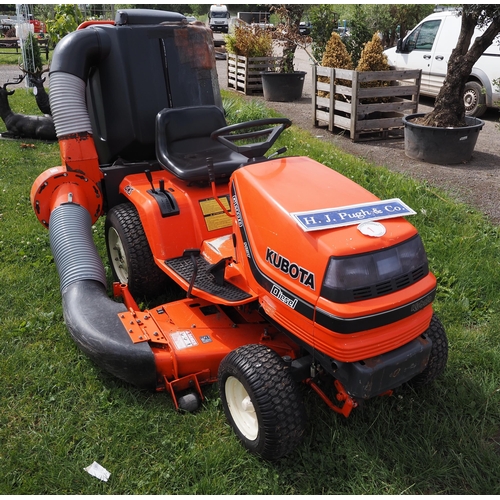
[{"x": 183, "y": 266}]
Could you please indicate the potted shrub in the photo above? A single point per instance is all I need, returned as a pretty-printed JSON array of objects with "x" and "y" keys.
[
  {"x": 367, "y": 101},
  {"x": 446, "y": 135},
  {"x": 249, "y": 52},
  {"x": 284, "y": 83},
  {"x": 335, "y": 55}
]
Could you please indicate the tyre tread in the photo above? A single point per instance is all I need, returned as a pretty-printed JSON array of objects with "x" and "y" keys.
[{"x": 275, "y": 396}]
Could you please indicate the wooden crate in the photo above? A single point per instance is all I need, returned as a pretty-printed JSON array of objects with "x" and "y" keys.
[
  {"x": 243, "y": 73},
  {"x": 347, "y": 107}
]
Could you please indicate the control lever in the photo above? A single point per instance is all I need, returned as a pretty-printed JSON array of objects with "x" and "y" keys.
[
  {"x": 279, "y": 152},
  {"x": 149, "y": 177},
  {"x": 211, "y": 179}
]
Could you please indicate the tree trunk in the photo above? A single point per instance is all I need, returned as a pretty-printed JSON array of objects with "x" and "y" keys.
[
  {"x": 290, "y": 17},
  {"x": 449, "y": 108}
]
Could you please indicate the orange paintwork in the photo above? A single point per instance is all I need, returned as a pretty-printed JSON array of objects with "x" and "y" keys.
[
  {"x": 266, "y": 206},
  {"x": 78, "y": 154},
  {"x": 200, "y": 222},
  {"x": 168, "y": 237},
  {"x": 56, "y": 186},
  {"x": 192, "y": 335},
  {"x": 373, "y": 342},
  {"x": 78, "y": 178},
  {"x": 85, "y": 24}
]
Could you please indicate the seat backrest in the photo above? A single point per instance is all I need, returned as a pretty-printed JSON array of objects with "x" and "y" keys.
[
  {"x": 183, "y": 143},
  {"x": 190, "y": 122}
]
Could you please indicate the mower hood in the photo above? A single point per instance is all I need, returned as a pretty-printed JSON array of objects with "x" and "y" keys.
[{"x": 267, "y": 194}]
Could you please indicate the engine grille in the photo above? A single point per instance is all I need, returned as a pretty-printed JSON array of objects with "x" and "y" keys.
[{"x": 389, "y": 286}]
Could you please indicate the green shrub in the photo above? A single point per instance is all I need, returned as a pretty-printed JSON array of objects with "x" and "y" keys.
[
  {"x": 324, "y": 20},
  {"x": 67, "y": 17},
  {"x": 372, "y": 56},
  {"x": 335, "y": 56},
  {"x": 249, "y": 42},
  {"x": 33, "y": 62},
  {"x": 373, "y": 59}
]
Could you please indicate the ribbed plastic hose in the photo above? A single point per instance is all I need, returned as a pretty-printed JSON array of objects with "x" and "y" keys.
[
  {"x": 67, "y": 102},
  {"x": 71, "y": 242}
]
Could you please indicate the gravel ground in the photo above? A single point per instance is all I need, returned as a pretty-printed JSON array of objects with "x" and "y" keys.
[{"x": 476, "y": 182}]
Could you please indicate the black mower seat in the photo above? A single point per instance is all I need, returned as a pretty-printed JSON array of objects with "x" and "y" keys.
[{"x": 183, "y": 143}]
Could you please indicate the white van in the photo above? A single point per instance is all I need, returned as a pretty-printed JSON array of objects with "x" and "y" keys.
[
  {"x": 428, "y": 47},
  {"x": 218, "y": 18}
]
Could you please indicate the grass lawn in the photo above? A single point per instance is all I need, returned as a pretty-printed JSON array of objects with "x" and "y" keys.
[{"x": 59, "y": 412}]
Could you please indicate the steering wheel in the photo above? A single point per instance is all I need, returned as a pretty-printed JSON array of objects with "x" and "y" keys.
[{"x": 226, "y": 136}]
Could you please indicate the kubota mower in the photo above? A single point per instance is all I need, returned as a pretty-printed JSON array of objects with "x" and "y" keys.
[{"x": 291, "y": 272}]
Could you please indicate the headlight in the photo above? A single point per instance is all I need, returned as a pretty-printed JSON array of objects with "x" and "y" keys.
[{"x": 362, "y": 277}]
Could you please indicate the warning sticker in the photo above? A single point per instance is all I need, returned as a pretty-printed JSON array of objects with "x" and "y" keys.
[
  {"x": 215, "y": 218},
  {"x": 183, "y": 339}
]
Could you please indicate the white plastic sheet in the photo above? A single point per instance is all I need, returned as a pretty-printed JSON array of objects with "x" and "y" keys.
[{"x": 98, "y": 471}]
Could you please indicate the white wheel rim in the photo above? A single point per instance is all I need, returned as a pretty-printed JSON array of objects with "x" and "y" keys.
[
  {"x": 470, "y": 99},
  {"x": 241, "y": 408},
  {"x": 117, "y": 254}
]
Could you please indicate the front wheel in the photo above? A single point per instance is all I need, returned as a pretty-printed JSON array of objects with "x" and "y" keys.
[
  {"x": 438, "y": 356},
  {"x": 474, "y": 99},
  {"x": 261, "y": 401}
]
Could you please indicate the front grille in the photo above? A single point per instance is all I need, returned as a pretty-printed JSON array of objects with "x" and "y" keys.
[{"x": 384, "y": 287}]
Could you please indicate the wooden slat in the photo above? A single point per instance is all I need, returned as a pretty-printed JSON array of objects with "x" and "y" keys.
[
  {"x": 323, "y": 115},
  {"x": 381, "y": 123},
  {"x": 385, "y": 107},
  {"x": 368, "y": 76},
  {"x": 342, "y": 122},
  {"x": 386, "y": 91}
]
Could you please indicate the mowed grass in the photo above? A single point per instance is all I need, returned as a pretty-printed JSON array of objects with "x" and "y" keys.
[{"x": 59, "y": 412}]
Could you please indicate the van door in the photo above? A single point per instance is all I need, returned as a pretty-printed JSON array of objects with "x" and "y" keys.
[
  {"x": 442, "y": 51},
  {"x": 418, "y": 50}
]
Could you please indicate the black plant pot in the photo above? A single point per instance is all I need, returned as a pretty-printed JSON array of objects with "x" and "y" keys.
[
  {"x": 282, "y": 87},
  {"x": 439, "y": 145}
]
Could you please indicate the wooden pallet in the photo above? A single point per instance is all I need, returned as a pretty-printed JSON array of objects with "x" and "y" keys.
[
  {"x": 343, "y": 99},
  {"x": 243, "y": 73}
]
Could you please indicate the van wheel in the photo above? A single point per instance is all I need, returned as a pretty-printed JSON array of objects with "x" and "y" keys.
[
  {"x": 261, "y": 401},
  {"x": 474, "y": 99},
  {"x": 438, "y": 356},
  {"x": 129, "y": 253}
]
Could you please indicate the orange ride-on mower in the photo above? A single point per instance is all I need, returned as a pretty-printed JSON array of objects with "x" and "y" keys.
[{"x": 291, "y": 272}]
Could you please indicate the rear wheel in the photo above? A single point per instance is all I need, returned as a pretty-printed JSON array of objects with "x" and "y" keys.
[
  {"x": 438, "y": 356},
  {"x": 474, "y": 99},
  {"x": 261, "y": 401},
  {"x": 129, "y": 252}
]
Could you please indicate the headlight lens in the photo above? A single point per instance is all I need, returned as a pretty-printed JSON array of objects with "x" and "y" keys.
[{"x": 361, "y": 277}]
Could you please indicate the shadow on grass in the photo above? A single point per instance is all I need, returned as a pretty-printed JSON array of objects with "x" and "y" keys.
[{"x": 438, "y": 440}]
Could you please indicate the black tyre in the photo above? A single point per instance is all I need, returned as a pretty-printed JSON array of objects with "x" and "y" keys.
[
  {"x": 129, "y": 252},
  {"x": 438, "y": 357},
  {"x": 474, "y": 99},
  {"x": 261, "y": 401}
]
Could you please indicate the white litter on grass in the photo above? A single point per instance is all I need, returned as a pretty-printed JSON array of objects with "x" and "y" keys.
[{"x": 98, "y": 471}]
